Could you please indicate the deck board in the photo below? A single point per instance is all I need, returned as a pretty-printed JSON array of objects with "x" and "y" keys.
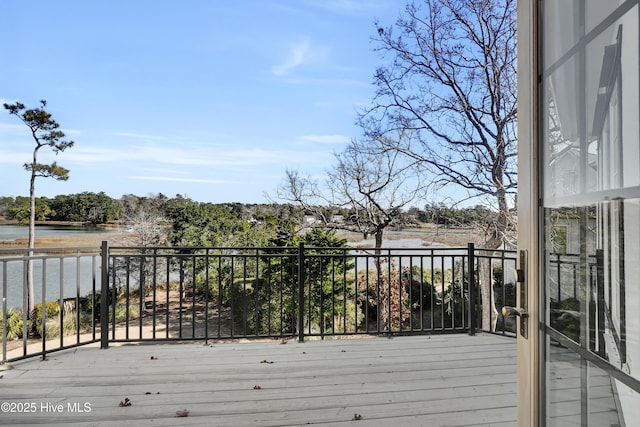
[{"x": 443, "y": 380}]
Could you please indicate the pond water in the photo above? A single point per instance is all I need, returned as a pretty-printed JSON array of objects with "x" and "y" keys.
[
  {"x": 84, "y": 267},
  {"x": 12, "y": 231},
  {"x": 65, "y": 275}
]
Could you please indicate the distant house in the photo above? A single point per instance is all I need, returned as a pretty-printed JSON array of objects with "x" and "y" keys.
[
  {"x": 337, "y": 219},
  {"x": 309, "y": 219}
]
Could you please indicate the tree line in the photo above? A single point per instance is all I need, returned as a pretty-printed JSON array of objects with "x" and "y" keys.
[{"x": 91, "y": 208}]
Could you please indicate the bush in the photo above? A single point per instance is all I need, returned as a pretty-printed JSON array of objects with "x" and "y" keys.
[
  {"x": 418, "y": 285},
  {"x": 271, "y": 300},
  {"x": 15, "y": 324},
  {"x": 386, "y": 297},
  {"x": 122, "y": 309},
  {"x": 50, "y": 328},
  {"x": 208, "y": 285},
  {"x": 454, "y": 301},
  {"x": 52, "y": 315},
  {"x": 69, "y": 326}
]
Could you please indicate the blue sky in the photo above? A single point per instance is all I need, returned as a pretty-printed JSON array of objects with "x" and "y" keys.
[{"x": 213, "y": 99}]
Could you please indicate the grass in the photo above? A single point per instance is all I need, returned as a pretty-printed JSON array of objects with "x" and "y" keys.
[
  {"x": 428, "y": 233},
  {"x": 62, "y": 241}
]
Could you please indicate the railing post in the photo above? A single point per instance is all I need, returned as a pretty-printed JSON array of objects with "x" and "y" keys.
[
  {"x": 301, "y": 292},
  {"x": 104, "y": 296},
  {"x": 4, "y": 314},
  {"x": 472, "y": 294}
]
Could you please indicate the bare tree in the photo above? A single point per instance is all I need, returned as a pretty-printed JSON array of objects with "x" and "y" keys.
[
  {"x": 45, "y": 133},
  {"x": 372, "y": 183},
  {"x": 146, "y": 228},
  {"x": 452, "y": 81},
  {"x": 143, "y": 218}
]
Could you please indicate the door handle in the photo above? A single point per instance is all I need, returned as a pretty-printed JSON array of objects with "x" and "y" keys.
[{"x": 508, "y": 311}]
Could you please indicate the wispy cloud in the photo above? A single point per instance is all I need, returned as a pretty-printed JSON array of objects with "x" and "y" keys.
[
  {"x": 163, "y": 171},
  {"x": 316, "y": 81},
  {"x": 138, "y": 136},
  {"x": 346, "y": 6},
  {"x": 326, "y": 139},
  {"x": 178, "y": 179},
  {"x": 192, "y": 155},
  {"x": 13, "y": 129},
  {"x": 12, "y": 157},
  {"x": 339, "y": 5},
  {"x": 299, "y": 54}
]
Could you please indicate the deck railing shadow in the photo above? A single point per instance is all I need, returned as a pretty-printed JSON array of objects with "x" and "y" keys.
[{"x": 149, "y": 294}]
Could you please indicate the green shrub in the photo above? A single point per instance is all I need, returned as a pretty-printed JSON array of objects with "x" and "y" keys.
[
  {"x": 14, "y": 324},
  {"x": 212, "y": 281},
  {"x": 121, "y": 312},
  {"x": 70, "y": 325},
  {"x": 454, "y": 302},
  {"x": 52, "y": 312}
]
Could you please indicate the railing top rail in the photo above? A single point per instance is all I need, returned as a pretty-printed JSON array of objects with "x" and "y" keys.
[
  {"x": 48, "y": 251},
  {"x": 498, "y": 250},
  {"x": 308, "y": 248},
  {"x": 570, "y": 255}
]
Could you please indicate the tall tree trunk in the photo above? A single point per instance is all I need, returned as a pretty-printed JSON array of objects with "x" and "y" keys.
[
  {"x": 31, "y": 244},
  {"x": 45, "y": 134},
  {"x": 496, "y": 240},
  {"x": 379, "y": 233}
]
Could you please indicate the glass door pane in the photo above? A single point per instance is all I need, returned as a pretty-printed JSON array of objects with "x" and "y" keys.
[{"x": 590, "y": 148}]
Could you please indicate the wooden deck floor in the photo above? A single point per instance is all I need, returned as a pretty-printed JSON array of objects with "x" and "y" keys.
[{"x": 443, "y": 380}]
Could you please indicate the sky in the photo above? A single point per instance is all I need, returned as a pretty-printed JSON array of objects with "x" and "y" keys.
[{"x": 210, "y": 99}]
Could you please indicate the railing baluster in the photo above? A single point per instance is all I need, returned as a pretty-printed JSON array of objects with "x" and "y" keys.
[
  {"x": 193, "y": 297},
  {"x": 93, "y": 297},
  {"x": 4, "y": 312},
  {"x": 220, "y": 295},
  {"x": 206, "y": 297},
  {"x": 301, "y": 261},
  {"x": 245, "y": 314},
  {"x": 104, "y": 296},
  {"x": 168, "y": 298},
  {"x": 154, "y": 294},
  {"x": 60, "y": 302},
  {"x": 25, "y": 303},
  {"x": 43, "y": 308},
  {"x": 472, "y": 288},
  {"x": 77, "y": 297}
]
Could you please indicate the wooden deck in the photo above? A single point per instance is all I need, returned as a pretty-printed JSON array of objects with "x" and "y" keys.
[{"x": 441, "y": 380}]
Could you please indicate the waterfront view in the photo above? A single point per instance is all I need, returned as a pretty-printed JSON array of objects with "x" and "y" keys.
[
  {"x": 12, "y": 266},
  {"x": 13, "y": 231}
]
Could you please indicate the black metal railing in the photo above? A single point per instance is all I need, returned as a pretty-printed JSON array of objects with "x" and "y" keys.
[
  {"x": 200, "y": 293},
  {"x": 65, "y": 300},
  {"x": 582, "y": 284}
]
